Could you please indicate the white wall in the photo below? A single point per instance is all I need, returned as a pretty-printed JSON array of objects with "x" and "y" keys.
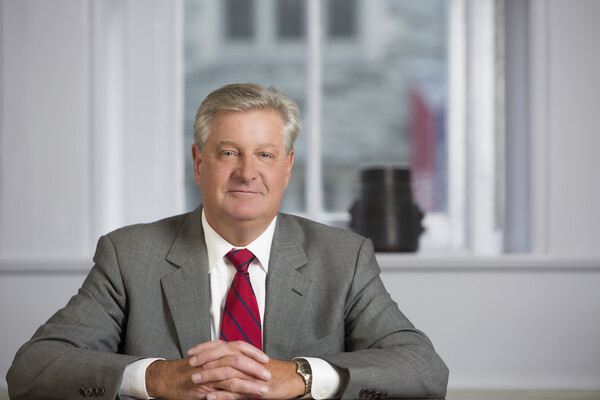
[
  {"x": 45, "y": 159},
  {"x": 573, "y": 134},
  {"x": 530, "y": 322},
  {"x": 507, "y": 330}
]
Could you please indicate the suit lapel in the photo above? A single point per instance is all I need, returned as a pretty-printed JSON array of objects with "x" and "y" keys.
[
  {"x": 288, "y": 290},
  {"x": 187, "y": 288}
]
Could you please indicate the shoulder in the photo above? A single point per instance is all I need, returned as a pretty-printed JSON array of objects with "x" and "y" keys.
[
  {"x": 140, "y": 248},
  {"x": 158, "y": 234},
  {"x": 334, "y": 257},
  {"x": 308, "y": 233},
  {"x": 164, "y": 225}
]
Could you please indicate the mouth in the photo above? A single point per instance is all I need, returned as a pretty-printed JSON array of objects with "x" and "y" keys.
[{"x": 243, "y": 191}]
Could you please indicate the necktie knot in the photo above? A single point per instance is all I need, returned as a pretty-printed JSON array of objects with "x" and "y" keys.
[{"x": 240, "y": 258}]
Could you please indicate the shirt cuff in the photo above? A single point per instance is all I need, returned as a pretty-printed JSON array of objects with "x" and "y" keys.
[
  {"x": 134, "y": 379},
  {"x": 326, "y": 380}
]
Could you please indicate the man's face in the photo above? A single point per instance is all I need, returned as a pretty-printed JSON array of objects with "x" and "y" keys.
[{"x": 243, "y": 170}]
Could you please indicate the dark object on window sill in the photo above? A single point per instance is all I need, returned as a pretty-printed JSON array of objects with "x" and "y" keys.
[{"x": 384, "y": 210}]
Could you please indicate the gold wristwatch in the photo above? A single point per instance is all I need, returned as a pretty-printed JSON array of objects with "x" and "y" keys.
[{"x": 303, "y": 369}]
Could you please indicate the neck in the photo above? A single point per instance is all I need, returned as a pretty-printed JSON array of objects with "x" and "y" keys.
[
  {"x": 238, "y": 233},
  {"x": 240, "y": 237}
]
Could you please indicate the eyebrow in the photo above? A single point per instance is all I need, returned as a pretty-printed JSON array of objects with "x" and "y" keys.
[
  {"x": 225, "y": 143},
  {"x": 233, "y": 144}
]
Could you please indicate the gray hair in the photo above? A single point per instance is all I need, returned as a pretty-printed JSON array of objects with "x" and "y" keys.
[{"x": 247, "y": 97}]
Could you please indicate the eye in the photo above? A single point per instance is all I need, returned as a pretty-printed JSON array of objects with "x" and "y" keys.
[
  {"x": 265, "y": 155},
  {"x": 227, "y": 153}
]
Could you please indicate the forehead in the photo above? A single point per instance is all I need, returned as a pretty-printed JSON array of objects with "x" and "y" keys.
[{"x": 263, "y": 125}]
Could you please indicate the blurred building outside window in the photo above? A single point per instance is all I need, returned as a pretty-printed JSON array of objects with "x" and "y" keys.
[{"x": 388, "y": 76}]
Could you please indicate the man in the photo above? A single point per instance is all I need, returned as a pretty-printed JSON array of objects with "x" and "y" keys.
[{"x": 148, "y": 318}]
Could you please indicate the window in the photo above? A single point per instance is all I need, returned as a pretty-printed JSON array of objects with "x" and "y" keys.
[
  {"x": 372, "y": 89},
  {"x": 341, "y": 18},
  {"x": 239, "y": 19},
  {"x": 291, "y": 19}
]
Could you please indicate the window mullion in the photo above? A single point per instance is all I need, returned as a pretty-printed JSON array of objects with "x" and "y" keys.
[
  {"x": 314, "y": 173},
  {"x": 484, "y": 230},
  {"x": 457, "y": 124}
]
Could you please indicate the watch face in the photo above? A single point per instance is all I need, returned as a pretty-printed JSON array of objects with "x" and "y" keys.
[{"x": 305, "y": 368}]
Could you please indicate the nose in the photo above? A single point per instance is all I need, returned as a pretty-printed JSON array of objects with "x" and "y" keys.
[{"x": 246, "y": 170}]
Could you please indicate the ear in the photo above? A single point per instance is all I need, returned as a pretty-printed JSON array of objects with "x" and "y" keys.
[
  {"x": 197, "y": 157},
  {"x": 289, "y": 162}
]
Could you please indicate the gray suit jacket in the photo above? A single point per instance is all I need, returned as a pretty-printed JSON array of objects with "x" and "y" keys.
[{"x": 148, "y": 296}]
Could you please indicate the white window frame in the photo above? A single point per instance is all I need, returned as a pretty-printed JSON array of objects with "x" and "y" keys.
[
  {"x": 136, "y": 114},
  {"x": 475, "y": 132}
]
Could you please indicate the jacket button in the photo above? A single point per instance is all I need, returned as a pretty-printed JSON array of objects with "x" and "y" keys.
[
  {"x": 366, "y": 393},
  {"x": 82, "y": 392},
  {"x": 101, "y": 391}
]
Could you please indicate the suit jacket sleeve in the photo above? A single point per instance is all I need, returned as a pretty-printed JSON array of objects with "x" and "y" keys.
[
  {"x": 384, "y": 353},
  {"x": 78, "y": 348}
]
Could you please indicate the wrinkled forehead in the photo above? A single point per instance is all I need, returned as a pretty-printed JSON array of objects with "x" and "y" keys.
[{"x": 267, "y": 117}]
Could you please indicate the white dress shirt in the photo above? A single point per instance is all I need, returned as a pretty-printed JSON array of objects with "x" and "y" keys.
[{"x": 327, "y": 380}]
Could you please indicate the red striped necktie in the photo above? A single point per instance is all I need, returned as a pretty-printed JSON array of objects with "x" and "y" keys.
[{"x": 241, "y": 319}]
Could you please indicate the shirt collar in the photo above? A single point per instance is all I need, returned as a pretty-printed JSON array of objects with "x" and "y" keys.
[{"x": 217, "y": 247}]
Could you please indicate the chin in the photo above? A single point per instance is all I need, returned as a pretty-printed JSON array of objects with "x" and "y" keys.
[
  {"x": 249, "y": 214},
  {"x": 242, "y": 214}
]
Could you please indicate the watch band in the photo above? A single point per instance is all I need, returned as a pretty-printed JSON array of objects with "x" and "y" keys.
[{"x": 303, "y": 369}]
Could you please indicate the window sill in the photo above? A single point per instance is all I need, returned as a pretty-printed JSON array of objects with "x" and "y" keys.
[{"x": 416, "y": 262}]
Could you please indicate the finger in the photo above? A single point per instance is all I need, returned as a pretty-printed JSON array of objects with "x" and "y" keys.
[
  {"x": 204, "y": 346},
  {"x": 212, "y": 353},
  {"x": 250, "y": 351},
  {"x": 240, "y": 388},
  {"x": 239, "y": 365},
  {"x": 221, "y": 350},
  {"x": 209, "y": 377},
  {"x": 214, "y": 346},
  {"x": 223, "y": 395},
  {"x": 243, "y": 347},
  {"x": 250, "y": 371}
]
